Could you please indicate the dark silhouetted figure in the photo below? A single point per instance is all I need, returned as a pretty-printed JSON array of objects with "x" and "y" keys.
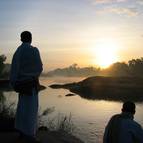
[
  {"x": 122, "y": 128},
  {"x": 25, "y": 70}
]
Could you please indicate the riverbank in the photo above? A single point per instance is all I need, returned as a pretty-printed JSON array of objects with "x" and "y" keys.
[
  {"x": 9, "y": 135},
  {"x": 42, "y": 136}
]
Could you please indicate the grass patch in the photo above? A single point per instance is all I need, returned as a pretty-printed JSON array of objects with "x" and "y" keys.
[
  {"x": 6, "y": 109},
  {"x": 60, "y": 122}
]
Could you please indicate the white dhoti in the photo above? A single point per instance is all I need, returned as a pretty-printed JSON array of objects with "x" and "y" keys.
[{"x": 27, "y": 114}]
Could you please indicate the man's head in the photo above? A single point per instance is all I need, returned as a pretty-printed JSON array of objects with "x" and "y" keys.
[
  {"x": 26, "y": 36},
  {"x": 129, "y": 107}
]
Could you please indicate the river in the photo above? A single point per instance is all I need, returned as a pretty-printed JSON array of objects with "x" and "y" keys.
[{"x": 89, "y": 116}]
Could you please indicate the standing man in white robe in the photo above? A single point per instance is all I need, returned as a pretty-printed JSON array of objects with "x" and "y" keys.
[{"x": 26, "y": 65}]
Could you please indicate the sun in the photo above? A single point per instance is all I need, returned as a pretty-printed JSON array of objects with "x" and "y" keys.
[{"x": 105, "y": 53}]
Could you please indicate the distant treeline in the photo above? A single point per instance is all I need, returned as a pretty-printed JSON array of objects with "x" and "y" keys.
[
  {"x": 74, "y": 70},
  {"x": 4, "y": 68},
  {"x": 133, "y": 67}
]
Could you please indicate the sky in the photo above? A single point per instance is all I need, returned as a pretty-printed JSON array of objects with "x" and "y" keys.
[{"x": 86, "y": 32}]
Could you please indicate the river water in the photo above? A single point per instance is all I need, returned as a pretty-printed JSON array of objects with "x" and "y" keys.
[{"x": 89, "y": 116}]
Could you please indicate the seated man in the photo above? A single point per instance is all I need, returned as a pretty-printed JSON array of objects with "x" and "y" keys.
[{"x": 122, "y": 128}]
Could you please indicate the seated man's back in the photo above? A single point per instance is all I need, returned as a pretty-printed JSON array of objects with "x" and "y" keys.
[{"x": 123, "y": 129}]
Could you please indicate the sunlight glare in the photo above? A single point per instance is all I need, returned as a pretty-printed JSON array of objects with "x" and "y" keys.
[{"x": 105, "y": 53}]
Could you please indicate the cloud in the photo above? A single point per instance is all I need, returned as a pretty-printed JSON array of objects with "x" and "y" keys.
[
  {"x": 140, "y": 2},
  {"x": 126, "y": 11},
  {"x": 120, "y": 7},
  {"x": 120, "y": 11},
  {"x": 106, "y": 1},
  {"x": 95, "y": 2}
]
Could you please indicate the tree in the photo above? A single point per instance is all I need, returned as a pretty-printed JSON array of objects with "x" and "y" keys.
[
  {"x": 118, "y": 69},
  {"x": 136, "y": 67},
  {"x": 2, "y": 60}
]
